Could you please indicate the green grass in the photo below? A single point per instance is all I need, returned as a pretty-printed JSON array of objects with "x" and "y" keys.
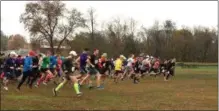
[
  {"x": 199, "y": 63},
  {"x": 192, "y": 89}
]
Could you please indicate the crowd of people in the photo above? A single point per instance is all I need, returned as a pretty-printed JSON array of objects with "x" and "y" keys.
[{"x": 78, "y": 69}]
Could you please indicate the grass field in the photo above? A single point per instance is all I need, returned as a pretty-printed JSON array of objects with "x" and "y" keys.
[{"x": 191, "y": 89}]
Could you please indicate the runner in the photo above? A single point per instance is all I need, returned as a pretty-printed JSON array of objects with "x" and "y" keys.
[
  {"x": 129, "y": 67},
  {"x": 137, "y": 70},
  {"x": 19, "y": 65},
  {"x": 68, "y": 71},
  {"x": 35, "y": 70},
  {"x": 53, "y": 64},
  {"x": 92, "y": 67},
  {"x": 9, "y": 67},
  {"x": 59, "y": 65},
  {"x": 155, "y": 67},
  {"x": 1, "y": 66},
  {"x": 82, "y": 61},
  {"x": 118, "y": 68},
  {"x": 103, "y": 67},
  {"x": 44, "y": 69},
  {"x": 27, "y": 70},
  {"x": 169, "y": 70}
]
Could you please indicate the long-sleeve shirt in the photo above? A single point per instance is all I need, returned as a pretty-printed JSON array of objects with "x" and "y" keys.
[
  {"x": 10, "y": 62},
  {"x": 53, "y": 62},
  {"x": 19, "y": 62},
  {"x": 28, "y": 62}
]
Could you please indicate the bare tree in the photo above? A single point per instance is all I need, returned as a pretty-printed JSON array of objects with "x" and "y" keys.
[{"x": 43, "y": 19}]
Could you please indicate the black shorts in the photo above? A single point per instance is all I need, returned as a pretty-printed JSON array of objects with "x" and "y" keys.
[
  {"x": 35, "y": 72},
  {"x": 102, "y": 70},
  {"x": 142, "y": 71},
  {"x": 92, "y": 71},
  {"x": 83, "y": 70},
  {"x": 136, "y": 70},
  {"x": 118, "y": 72},
  {"x": 154, "y": 70},
  {"x": 43, "y": 70},
  {"x": 18, "y": 73},
  {"x": 52, "y": 70},
  {"x": 9, "y": 75},
  {"x": 68, "y": 73},
  {"x": 28, "y": 73},
  {"x": 171, "y": 72}
]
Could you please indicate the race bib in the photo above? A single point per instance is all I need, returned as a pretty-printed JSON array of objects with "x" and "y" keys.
[
  {"x": 96, "y": 61},
  {"x": 18, "y": 68},
  {"x": 73, "y": 69}
]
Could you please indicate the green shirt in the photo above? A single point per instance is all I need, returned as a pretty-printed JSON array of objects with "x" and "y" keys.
[{"x": 46, "y": 62}]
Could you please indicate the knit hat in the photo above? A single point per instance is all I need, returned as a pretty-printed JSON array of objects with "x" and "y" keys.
[{"x": 32, "y": 53}]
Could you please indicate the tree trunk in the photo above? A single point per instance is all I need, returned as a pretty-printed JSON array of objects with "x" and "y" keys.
[{"x": 52, "y": 47}]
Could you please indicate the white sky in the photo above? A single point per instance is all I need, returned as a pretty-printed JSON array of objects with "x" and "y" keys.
[{"x": 188, "y": 13}]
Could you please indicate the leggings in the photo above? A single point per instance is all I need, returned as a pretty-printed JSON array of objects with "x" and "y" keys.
[
  {"x": 35, "y": 74},
  {"x": 25, "y": 75}
]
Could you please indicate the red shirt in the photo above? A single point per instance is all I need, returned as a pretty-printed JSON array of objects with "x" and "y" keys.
[
  {"x": 101, "y": 61},
  {"x": 59, "y": 63},
  {"x": 156, "y": 65}
]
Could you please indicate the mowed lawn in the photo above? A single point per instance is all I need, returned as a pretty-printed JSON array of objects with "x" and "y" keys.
[{"x": 191, "y": 89}]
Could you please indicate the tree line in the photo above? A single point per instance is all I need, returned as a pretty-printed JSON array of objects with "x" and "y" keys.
[{"x": 52, "y": 22}]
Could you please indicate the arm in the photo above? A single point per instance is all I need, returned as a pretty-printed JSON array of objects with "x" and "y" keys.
[
  {"x": 88, "y": 61},
  {"x": 100, "y": 63},
  {"x": 78, "y": 60},
  {"x": 64, "y": 65},
  {"x": 31, "y": 62}
]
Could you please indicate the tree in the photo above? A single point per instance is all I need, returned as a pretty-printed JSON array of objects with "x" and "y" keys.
[
  {"x": 204, "y": 37},
  {"x": 16, "y": 42},
  {"x": 154, "y": 36},
  {"x": 4, "y": 42},
  {"x": 44, "y": 19},
  {"x": 35, "y": 43},
  {"x": 91, "y": 23}
]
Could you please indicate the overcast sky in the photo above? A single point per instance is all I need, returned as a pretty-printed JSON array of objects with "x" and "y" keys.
[{"x": 188, "y": 13}]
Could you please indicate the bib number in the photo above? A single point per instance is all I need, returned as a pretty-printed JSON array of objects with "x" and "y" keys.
[
  {"x": 96, "y": 61},
  {"x": 73, "y": 69}
]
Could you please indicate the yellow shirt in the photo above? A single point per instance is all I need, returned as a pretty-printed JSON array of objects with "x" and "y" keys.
[{"x": 118, "y": 65}]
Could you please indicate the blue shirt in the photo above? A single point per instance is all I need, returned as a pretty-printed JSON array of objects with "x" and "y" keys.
[
  {"x": 53, "y": 61},
  {"x": 27, "y": 64}
]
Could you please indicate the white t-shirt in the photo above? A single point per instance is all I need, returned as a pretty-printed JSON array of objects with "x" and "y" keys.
[
  {"x": 146, "y": 62},
  {"x": 130, "y": 61}
]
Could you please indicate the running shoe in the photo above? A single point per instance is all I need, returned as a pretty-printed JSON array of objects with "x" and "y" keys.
[
  {"x": 6, "y": 88},
  {"x": 79, "y": 94},
  {"x": 45, "y": 83},
  {"x": 54, "y": 92}
]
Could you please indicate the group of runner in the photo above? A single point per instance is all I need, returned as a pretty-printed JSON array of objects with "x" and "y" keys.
[{"x": 40, "y": 68}]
